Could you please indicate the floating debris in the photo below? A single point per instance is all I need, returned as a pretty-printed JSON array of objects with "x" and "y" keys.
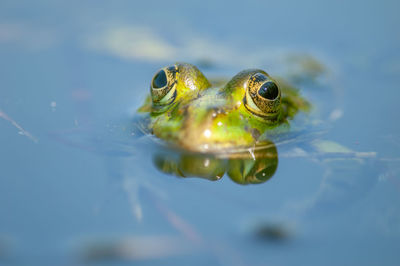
[
  {"x": 271, "y": 232},
  {"x": 15, "y": 124},
  {"x": 137, "y": 248}
]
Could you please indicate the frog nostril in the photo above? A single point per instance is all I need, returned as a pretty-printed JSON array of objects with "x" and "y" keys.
[
  {"x": 269, "y": 90},
  {"x": 159, "y": 80}
]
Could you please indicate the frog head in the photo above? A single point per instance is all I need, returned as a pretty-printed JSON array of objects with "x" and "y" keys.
[{"x": 185, "y": 110}]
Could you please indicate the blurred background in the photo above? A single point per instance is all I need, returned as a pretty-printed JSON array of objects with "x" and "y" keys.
[{"x": 77, "y": 187}]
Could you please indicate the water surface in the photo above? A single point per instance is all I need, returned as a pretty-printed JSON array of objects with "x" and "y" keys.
[{"x": 78, "y": 185}]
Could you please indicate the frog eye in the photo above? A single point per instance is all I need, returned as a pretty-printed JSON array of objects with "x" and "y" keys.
[
  {"x": 263, "y": 96},
  {"x": 269, "y": 90},
  {"x": 163, "y": 86},
  {"x": 160, "y": 80}
]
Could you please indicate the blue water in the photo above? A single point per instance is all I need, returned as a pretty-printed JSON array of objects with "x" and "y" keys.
[{"x": 75, "y": 184}]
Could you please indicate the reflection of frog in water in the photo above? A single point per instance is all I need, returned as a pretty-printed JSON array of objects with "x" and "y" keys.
[
  {"x": 185, "y": 110},
  {"x": 253, "y": 166}
]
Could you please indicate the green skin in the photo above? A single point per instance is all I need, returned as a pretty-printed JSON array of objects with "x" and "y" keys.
[
  {"x": 218, "y": 130},
  {"x": 203, "y": 118}
]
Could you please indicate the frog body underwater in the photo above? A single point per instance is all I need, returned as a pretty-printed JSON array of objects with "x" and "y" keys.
[{"x": 186, "y": 110}]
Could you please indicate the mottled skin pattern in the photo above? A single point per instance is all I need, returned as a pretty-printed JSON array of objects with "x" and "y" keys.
[{"x": 191, "y": 114}]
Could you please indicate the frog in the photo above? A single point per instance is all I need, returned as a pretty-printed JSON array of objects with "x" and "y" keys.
[
  {"x": 219, "y": 129},
  {"x": 186, "y": 110}
]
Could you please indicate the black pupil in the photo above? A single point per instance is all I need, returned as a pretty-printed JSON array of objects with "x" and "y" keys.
[
  {"x": 160, "y": 80},
  {"x": 269, "y": 90}
]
